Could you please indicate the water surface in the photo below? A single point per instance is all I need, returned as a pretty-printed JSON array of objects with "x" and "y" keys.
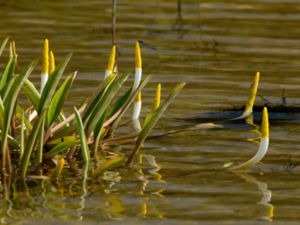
[{"x": 215, "y": 46}]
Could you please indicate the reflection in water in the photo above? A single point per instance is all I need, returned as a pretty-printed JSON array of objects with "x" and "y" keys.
[
  {"x": 84, "y": 190},
  {"x": 266, "y": 194},
  {"x": 145, "y": 176}
]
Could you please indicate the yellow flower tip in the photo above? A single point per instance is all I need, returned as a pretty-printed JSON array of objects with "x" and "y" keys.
[
  {"x": 138, "y": 97},
  {"x": 138, "y": 57},
  {"x": 253, "y": 91},
  {"x": 45, "y": 67},
  {"x": 157, "y": 96},
  {"x": 271, "y": 212},
  {"x": 111, "y": 60},
  {"x": 51, "y": 63},
  {"x": 265, "y": 124}
]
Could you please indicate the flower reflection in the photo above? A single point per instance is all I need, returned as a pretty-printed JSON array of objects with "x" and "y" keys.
[{"x": 266, "y": 195}]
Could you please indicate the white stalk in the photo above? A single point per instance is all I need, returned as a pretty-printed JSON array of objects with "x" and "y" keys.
[
  {"x": 136, "y": 110},
  {"x": 111, "y": 62},
  {"x": 107, "y": 73},
  {"x": 44, "y": 79},
  {"x": 263, "y": 145},
  {"x": 137, "y": 125},
  {"x": 137, "y": 78}
]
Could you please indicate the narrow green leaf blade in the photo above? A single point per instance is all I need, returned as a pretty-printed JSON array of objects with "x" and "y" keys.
[
  {"x": 109, "y": 164},
  {"x": 10, "y": 102},
  {"x": 104, "y": 103},
  {"x": 7, "y": 74},
  {"x": 84, "y": 145},
  {"x": 152, "y": 120},
  {"x": 61, "y": 148},
  {"x": 59, "y": 98},
  {"x": 31, "y": 93},
  {"x": 31, "y": 142},
  {"x": 98, "y": 96}
]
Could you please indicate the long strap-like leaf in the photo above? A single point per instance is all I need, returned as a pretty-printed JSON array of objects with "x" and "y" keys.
[
  {"x": 84, "y": 145},
  {"x": 59, "y": 98},
  {"x": 7, "y": 74},
  {"x": 31, "y": 142},
  {"x": 105, "y": 102},
  {"x": 152, "y": 120},
  {"x": 31, "y": 93},
  {"x": 9, "y": 105}
]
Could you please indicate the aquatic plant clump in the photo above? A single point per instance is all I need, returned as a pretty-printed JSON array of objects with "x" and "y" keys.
[{"x": 33, "y": 137}]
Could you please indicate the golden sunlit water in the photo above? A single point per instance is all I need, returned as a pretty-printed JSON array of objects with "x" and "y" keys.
[{"x": 216, "y": 46}]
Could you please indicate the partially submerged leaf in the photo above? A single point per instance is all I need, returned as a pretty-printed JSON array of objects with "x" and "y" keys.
[
  {"x": 61, "y": 148},
  {"x": 109, "y": 164}
]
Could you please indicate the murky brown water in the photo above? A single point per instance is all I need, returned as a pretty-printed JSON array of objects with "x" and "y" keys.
[{"x": 215, "y": 46}]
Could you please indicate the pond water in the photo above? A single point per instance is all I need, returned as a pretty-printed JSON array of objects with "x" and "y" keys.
[{"x": 216, "y": 46}]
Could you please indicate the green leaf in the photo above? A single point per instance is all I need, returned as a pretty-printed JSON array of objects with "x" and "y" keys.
[
  {"x": 128, "y": 102},
  {"x": 102, "y": 105},
  {"x": 31, "y": 93},
  {"x": 152, "y": 120},
  {"x": 109, "y": 164},
  {"x": 59, "y": 98},
  {"x": 98, "y": 96},
  {"x": 22, "y": 143},
  {"x": 84, "y": 145},
  {"x": 50, "y": 87},
  {"x": 31, "y": 142},
  {"x": 40, "y": 149},
  {"x": 61, "y": 148},
  {"x": 10, "y": 102},
  {"x": 3, "y": 45},
  {"x": 7, "y": 74},
  {"x": 19, "y": 112},
  {"x": 2, "y": 114}
]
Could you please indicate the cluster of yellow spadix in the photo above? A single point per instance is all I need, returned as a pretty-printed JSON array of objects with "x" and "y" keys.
[
  {"x": 264, "y": 139},
  {"x": 111, "y": 67},
  {"x": 48, "y": 64}
]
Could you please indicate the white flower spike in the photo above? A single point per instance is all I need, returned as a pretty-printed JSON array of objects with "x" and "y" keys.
[
  {"x": 137, "y": 107},
  {"x": 251, "y": 99},
  {"x": 111, "y": 62},
  {"x": 263, "y": 146},
  {"x": 138, "y": 66},
  {"x": 45, "y": 65}
]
